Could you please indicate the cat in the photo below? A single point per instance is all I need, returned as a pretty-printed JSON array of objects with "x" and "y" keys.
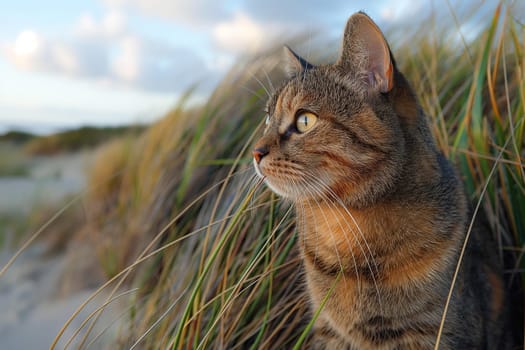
[{"x": 381, "y": 214}]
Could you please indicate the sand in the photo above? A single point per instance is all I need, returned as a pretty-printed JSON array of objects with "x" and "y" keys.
[
  {"x": 31, "y": 313},
  {"x": 50, "y": 179}
]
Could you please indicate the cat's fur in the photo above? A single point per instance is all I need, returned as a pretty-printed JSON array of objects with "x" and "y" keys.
[{"x": 381, "y": 213}]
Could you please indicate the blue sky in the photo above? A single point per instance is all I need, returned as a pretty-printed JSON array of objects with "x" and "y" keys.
[{"x": 67, "y": 63}]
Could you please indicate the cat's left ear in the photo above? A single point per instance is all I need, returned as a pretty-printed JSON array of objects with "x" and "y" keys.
[
  {"x": 365, "y": 49},
  {"x": 294, "y": 64}
]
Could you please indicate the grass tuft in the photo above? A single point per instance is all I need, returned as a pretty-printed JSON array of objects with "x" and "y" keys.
[{"x": 176, "y": 212}]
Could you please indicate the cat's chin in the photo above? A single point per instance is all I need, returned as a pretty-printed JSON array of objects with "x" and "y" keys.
[
  {"x": 283, "y": 190},
  {"x": 294, "y": 195},
  {"x": 278, "y": 191}
]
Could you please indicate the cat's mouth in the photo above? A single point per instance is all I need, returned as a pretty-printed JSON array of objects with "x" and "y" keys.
[
  {"x": 258, "y": 170},
  {"x": 285, "y": 183}
]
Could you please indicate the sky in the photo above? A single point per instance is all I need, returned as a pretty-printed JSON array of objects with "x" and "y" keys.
[{"x": 66, "y": 63}]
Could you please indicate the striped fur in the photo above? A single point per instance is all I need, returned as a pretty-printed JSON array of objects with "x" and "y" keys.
[{"x": 381, "y": 213}]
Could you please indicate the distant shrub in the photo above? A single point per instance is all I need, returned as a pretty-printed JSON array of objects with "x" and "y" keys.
[
  {"x": 16, "y": 137},
  {"x": 12, "y": 161},
  {"x": 77, "y": 139}
]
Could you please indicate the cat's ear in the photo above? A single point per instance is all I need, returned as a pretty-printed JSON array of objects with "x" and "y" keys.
[
  {"x": 365, "y": 49},
  {"x": 294, "y": 64}
]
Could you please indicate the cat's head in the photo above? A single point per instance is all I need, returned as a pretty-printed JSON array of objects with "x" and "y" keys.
[{"x": 336, "y": 130}]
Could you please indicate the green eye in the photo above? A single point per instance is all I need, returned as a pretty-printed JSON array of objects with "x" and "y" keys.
[{"x": 305, "y": 121}]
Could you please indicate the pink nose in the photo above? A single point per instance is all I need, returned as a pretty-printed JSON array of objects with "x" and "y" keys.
[{"x": 259, "y": 153}]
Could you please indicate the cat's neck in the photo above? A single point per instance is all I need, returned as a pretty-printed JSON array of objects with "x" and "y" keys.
[
  {"x": 333, "y": 224},
  {"x": 394, "y": 236}
]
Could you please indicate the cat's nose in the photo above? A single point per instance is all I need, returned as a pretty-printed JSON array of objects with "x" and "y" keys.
[{"x": 259, "y": 153}]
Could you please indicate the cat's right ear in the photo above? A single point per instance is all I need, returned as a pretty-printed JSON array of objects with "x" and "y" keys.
[
  {"x": 366, "y": 52},
  {"x": 294, "y": 64}
]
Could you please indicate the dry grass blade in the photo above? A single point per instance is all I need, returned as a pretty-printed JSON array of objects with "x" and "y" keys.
[
  {"x": 137, "y": 262},
  {"x": 34, "y": 236},
  {"x": 95, "y": 312},
  {"x": 215, "y": 257},
  {"x": 463, "y": 248}
]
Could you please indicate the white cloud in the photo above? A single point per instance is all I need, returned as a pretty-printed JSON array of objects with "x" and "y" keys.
[
  {"x": 27, "y": 43},
  {"x": 126, "y": 65},
  {"x": 111, "y": 25},
  {"x": 65, "y": 58},
  {"x": 242, "y": 34},
  {"x": 108, "y": 51},
  {"x": 402, "y": 10},
  {"x": 29, "y": 51},
  {"x": 114, "y": 23},
  {"x": 87, "y": 25},
  {"x": 300, "y": 12},
  {"x": 193, "y": 13}
]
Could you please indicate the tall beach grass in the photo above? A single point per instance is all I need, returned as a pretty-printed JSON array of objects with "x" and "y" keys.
[{"x": 178, "y": 214}]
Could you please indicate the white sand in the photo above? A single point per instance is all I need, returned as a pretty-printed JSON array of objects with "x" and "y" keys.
[
  {"x": 30, "y": 312},
  {"x": 51, "y": 178},
  {"x": 31, "y": 315}
]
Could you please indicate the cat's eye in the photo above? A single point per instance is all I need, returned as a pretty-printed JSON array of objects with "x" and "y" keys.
[
  {"x": 267, "y": 120},
  {"x": 305, "y": 121}
]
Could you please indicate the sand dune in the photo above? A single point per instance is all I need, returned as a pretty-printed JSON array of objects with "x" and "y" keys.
[
  {"x": 50, "y": 179},
  {"x": 31, "y": 314}
]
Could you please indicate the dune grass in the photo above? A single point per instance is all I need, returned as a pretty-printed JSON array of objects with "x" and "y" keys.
[{"x": 178, "y": 214}]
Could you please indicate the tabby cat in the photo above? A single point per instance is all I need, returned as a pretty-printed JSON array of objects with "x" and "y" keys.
[{"x": 381, "y": 214}]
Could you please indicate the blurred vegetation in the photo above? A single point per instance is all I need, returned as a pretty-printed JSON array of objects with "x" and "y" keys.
[
  {"x": 16, "y": 137},
  {"x": 177, "y": 212},
  {"x": 77, "y": 139},
  {"x": 13, "y": 162},
  {"x": 12, "y": 227},
  {"x": 17, "y": 147}
]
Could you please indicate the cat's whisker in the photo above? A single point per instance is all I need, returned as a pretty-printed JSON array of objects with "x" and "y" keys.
[
  {"x": 248, "y": 184},
  {"x": 254, "y": 76},
  {"x": 268, "y": 79},
  {"x": 253, "y": 92},
  {"x": 300, "y": 206},
  {"x": 260, "y": 194},
  {"x": 336, "y": 249},
  {"x": 322, "y": 190},
  {"x": 371, "y": 186},
  {"x": 360, "y": 231},
  {"x": 358, "y": 241},
  {"x": 325, "y": 187},
  {"x": 304, "y": 221},
  {"x": 255, "y": 183},
  {"x": 356, "y": 224},
  {"x": 239, "y": 172},
  {"x": 331, "y": 207}
]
